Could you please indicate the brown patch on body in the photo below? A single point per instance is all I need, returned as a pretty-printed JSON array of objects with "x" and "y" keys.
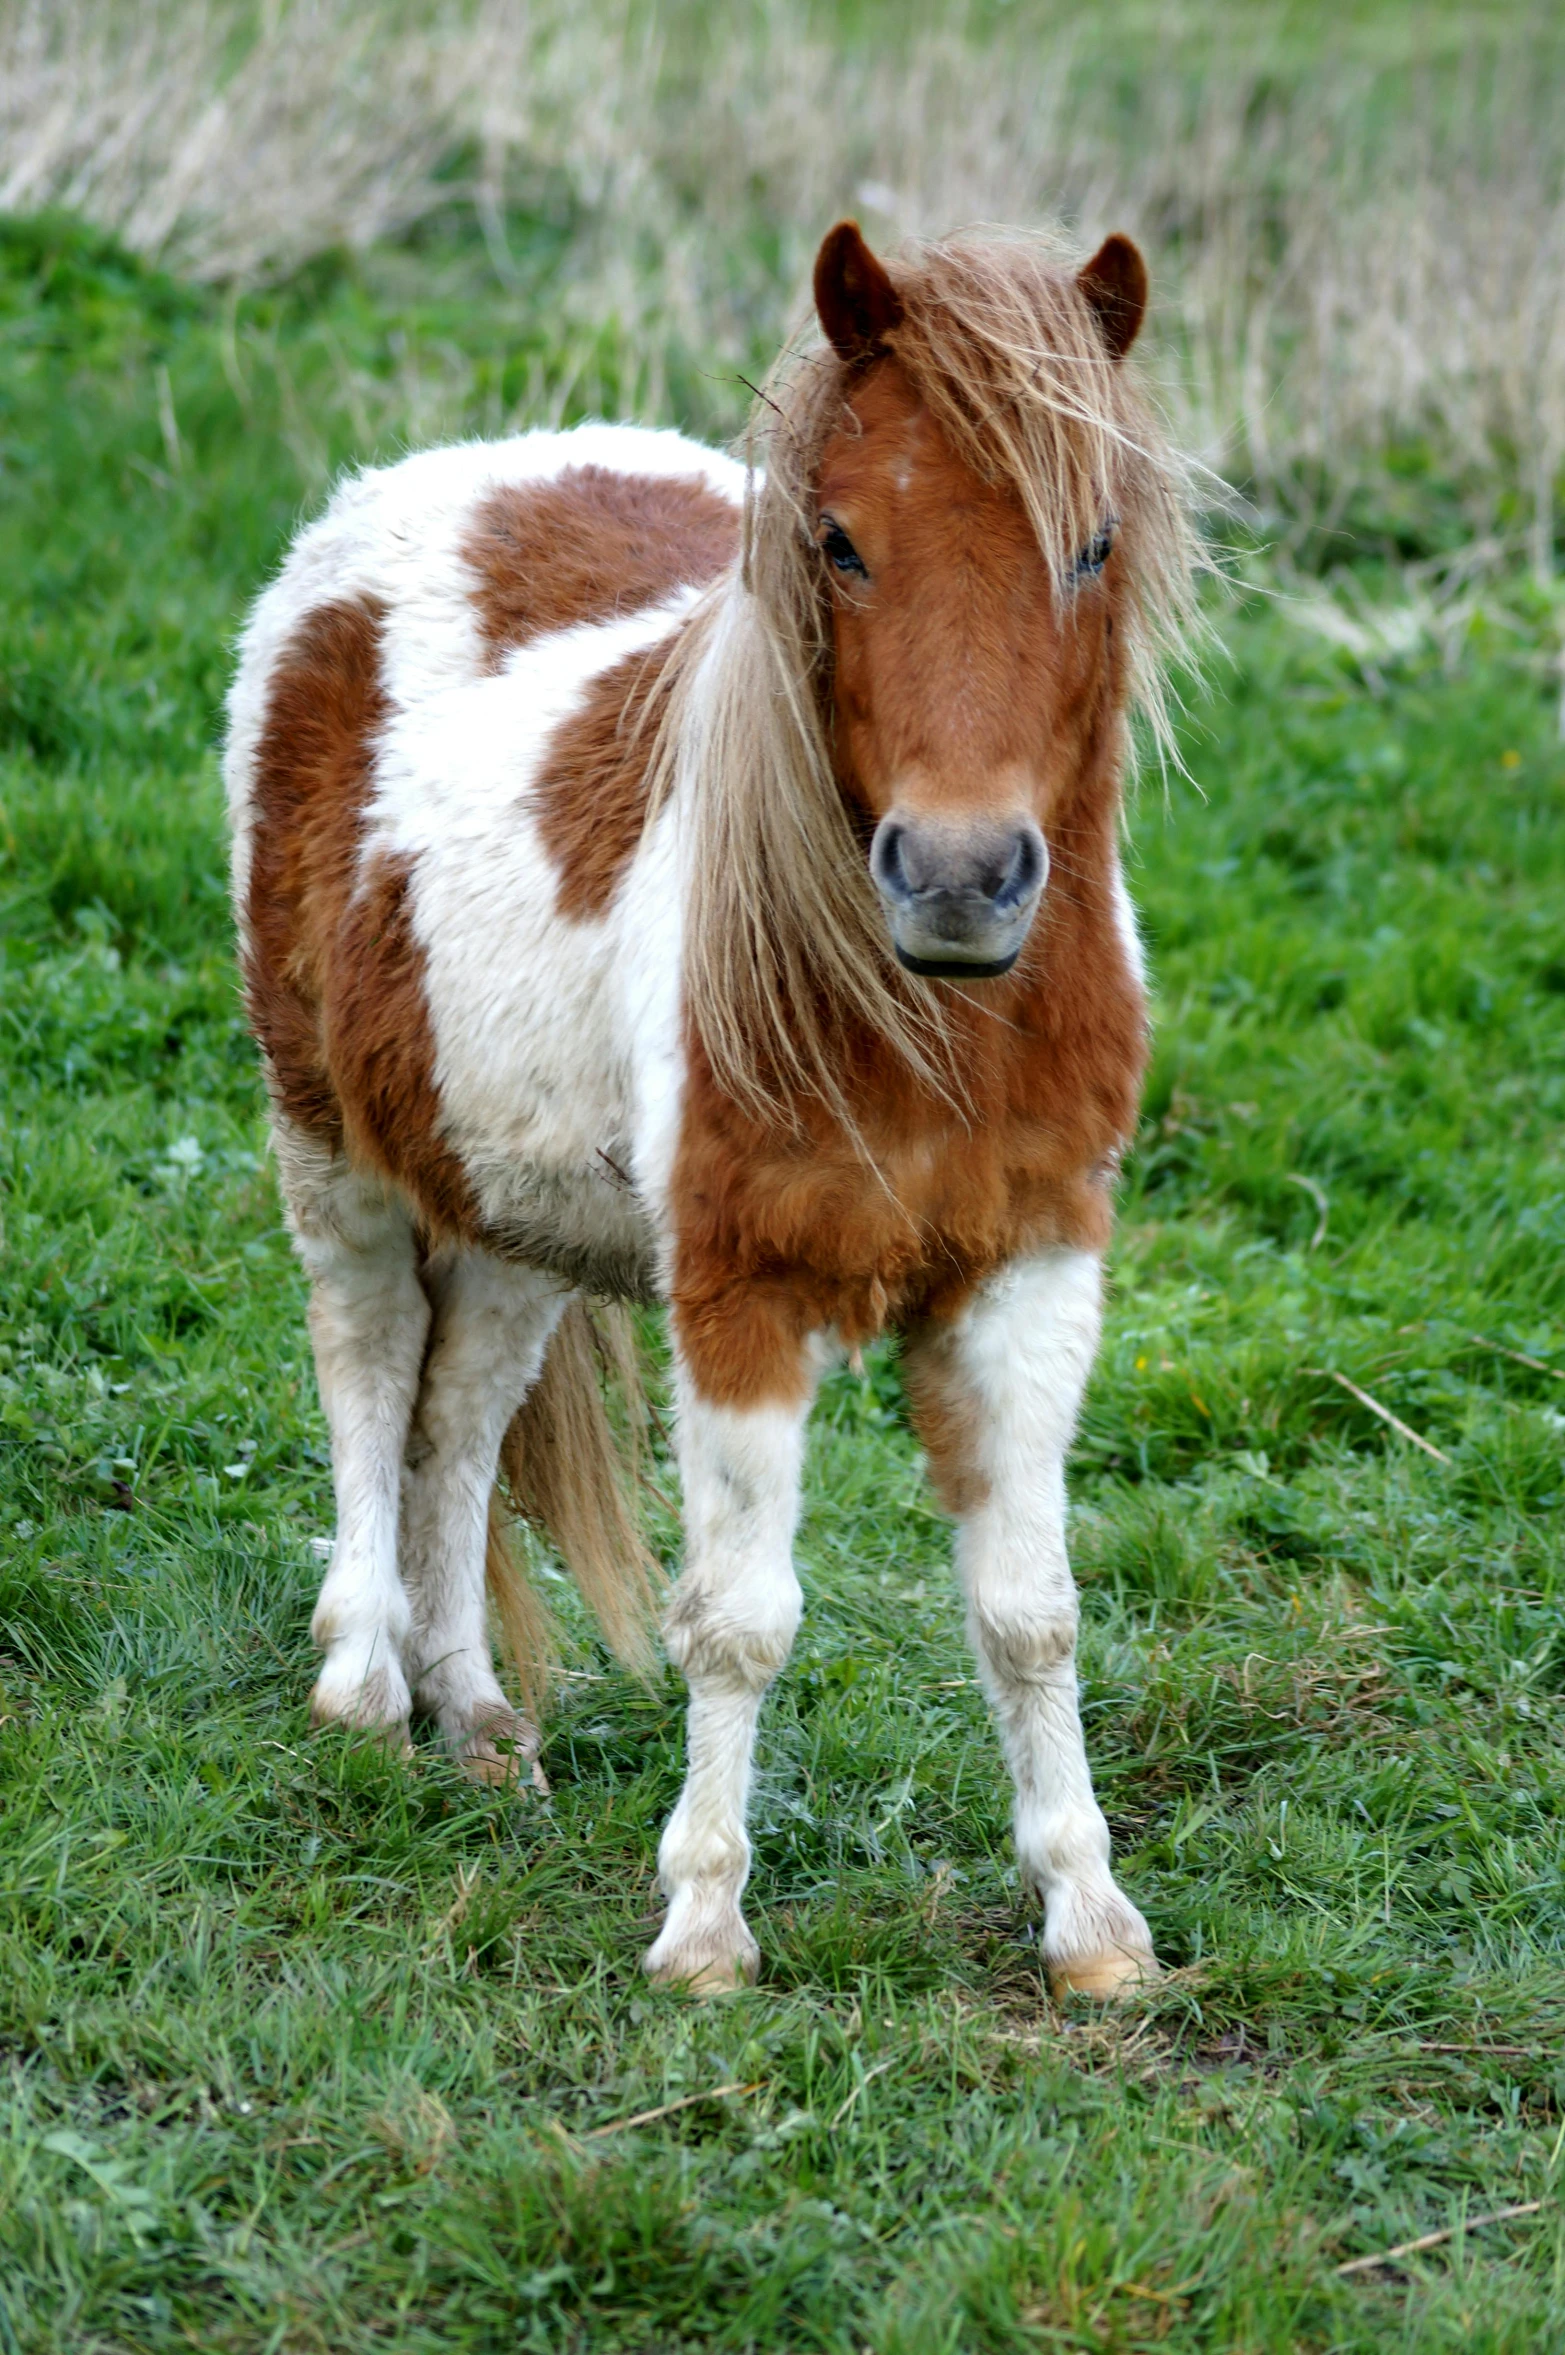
[
  {"x": 782, "y": 1231},
  {"x": 382, "y": 1049},
  {"x": 324, "y": 707},
  {"x": 591, "y": 795},
  {"x": 590, "y": 545},
  {"x": 334, "y": 978}
]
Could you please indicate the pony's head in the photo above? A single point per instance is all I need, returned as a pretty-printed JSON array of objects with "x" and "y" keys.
[
  {"x": 973, "y": 665},
  {"x": 966, "y": 557}
]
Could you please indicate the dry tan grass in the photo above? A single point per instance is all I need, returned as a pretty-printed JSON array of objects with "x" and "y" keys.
[{"x": 1352, "y": 253}]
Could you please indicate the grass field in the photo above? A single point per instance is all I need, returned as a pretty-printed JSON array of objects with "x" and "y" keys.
[{"x": 307, "y": 2050}]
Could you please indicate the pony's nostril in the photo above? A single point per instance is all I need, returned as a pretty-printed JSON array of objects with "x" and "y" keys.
[
  {"x": 887, "y": 871},
  {"x": 1027, "y": 869}
]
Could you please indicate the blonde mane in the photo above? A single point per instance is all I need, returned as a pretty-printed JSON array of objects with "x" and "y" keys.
[{"x": 786, "y": 949}]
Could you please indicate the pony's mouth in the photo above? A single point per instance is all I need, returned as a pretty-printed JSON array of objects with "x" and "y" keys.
[{"x": 955, "y": 968}]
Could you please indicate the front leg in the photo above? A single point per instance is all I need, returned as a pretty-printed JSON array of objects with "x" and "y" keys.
[
  {"x": 995, "y": 1395},
  {"x": 730, "y": 1626}
]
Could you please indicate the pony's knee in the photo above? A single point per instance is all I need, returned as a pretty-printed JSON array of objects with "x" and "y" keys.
[
  {"x": 733, "y": 1638},
  {"x": 1025, "y": 1646}
]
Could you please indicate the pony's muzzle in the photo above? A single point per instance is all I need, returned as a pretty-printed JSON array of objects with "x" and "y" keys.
[{"x": 959, "y": 899}]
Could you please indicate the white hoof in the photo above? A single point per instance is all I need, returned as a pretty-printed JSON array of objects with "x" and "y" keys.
[
  {"x": 1096, "y": 1943},
  {"x": 373, "y": 1700},
  {"x": 715, "y": 1959},
  {"x": 502, "y": 1751},
  {"x": 1112, "y": 1975}
]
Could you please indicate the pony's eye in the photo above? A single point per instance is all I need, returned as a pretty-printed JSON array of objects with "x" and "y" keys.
[
  {"x": 1096, "y": 553},
  {"x": 839, "y": 550}
]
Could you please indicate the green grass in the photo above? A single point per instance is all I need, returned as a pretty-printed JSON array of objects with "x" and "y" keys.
[{"x": 307, "y": 2050}]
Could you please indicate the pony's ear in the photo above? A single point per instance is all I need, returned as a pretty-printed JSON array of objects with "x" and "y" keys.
[
  {"x": 856, "y": 301},
  {"x": 1115, "y": 284}
]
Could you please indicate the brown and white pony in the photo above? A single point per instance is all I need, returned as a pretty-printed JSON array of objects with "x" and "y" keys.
[{"x": 661, "y": 878}]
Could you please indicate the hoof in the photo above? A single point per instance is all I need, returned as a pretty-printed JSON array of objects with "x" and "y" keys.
[
  {"x": 722, "y": 1977},
  {"x": 717, "y": 1978},
  {"x": 706, "y": 1967},
  {"x": 1110, "y": 1976},
  {"x": 503, "y": 1752},
  {"x": 376, "y": 1704}
]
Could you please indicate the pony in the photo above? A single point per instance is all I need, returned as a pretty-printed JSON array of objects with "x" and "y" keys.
[{"x": 665, "y": 877}]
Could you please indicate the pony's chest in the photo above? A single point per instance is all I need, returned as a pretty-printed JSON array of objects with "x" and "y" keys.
[
  {"x": 942, "y": 1206},
  {"x": 974, "y": 1197}
]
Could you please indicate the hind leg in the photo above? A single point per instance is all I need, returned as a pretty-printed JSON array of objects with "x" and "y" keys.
[
  {"x": 492, "y": 1325},
  {"x": 368, "y": 1316}
]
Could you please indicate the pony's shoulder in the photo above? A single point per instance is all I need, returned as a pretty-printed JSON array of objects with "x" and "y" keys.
[{"x": 630, "y": 520}]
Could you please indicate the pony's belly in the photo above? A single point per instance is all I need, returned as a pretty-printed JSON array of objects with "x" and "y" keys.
[{"x": 587, "y": 1226}]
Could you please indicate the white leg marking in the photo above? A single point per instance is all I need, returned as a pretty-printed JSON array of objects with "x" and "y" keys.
[
  {"x": 492, "y": 1325},
  {"x": 368, "y": 1316},
  {"x": 730, "y": 1627},
  {"x": 1024, "y": 1350}
]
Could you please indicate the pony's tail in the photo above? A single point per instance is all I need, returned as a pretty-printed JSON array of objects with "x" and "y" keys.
[{"x": 574, "y": 1481}]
